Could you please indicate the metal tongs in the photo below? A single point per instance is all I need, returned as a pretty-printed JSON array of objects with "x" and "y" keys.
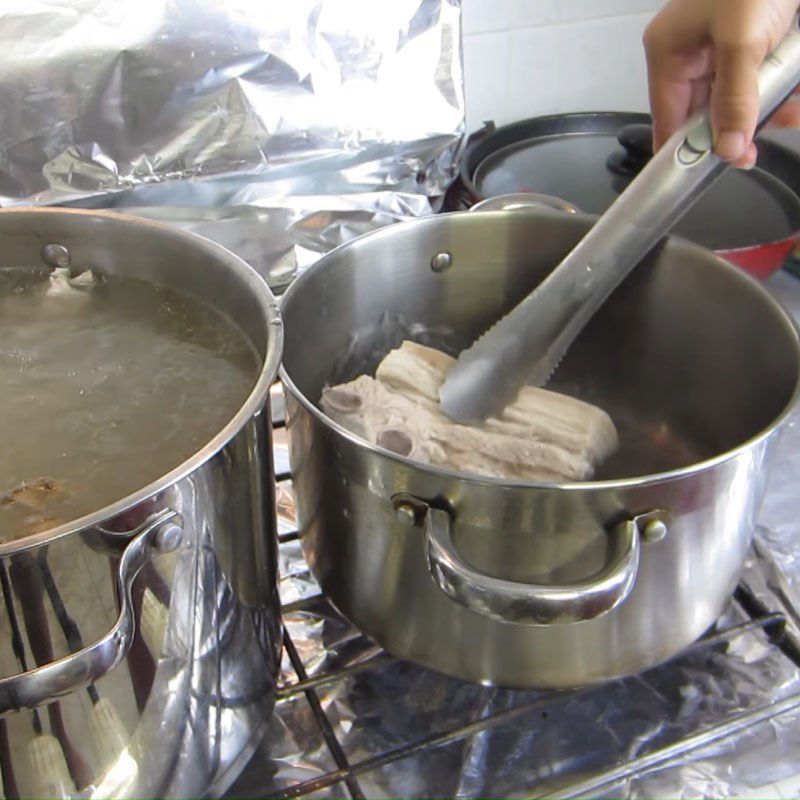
[{"x": 526, "y": 345}]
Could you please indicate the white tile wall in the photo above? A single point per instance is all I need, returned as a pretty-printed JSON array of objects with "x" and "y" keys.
[{"x": 524, "y": 58}]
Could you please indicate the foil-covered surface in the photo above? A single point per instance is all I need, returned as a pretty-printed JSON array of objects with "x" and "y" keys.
[
  {"x": 721, "y": 719},
  {"x": 277, "y": 129},
  {"x": 409, "y": 732},
  {"x": 779, "y": 524}
]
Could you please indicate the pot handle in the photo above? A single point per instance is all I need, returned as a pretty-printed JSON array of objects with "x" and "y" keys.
[
  {"x": 528, "y": 603},
  {"x": 44, "y": 684}
]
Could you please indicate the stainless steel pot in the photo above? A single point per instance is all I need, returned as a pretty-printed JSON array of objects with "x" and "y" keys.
[
  {"x": 158, "y": 685},
  {"x": 546, "y": 585}
]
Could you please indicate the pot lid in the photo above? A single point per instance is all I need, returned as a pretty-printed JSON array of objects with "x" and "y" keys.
[{"x": 587, "y": 160}]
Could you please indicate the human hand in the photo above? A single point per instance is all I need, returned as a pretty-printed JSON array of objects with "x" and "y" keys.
[{"x": 709, "y": 51}]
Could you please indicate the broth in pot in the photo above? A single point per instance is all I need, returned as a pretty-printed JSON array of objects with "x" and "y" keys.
[{"x": 107, "y": 384}]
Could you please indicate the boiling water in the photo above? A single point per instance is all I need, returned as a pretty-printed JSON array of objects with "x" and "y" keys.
[{"x": 104, "y": 389}]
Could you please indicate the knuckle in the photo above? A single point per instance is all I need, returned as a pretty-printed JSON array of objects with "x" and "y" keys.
[
  {"x": 734, "y": 106},
  {"x": 652, "y": 37},
  {"x": 734, "y": 109},
  {"x": 745, "y": 45}
]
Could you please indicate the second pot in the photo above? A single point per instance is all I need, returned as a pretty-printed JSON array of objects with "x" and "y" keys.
[
  {"x": 539, "y": 585},
  {"x": 140, "y": 644}
]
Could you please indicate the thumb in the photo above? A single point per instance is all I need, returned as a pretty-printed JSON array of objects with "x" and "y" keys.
[{"x": 734, "y": 97}]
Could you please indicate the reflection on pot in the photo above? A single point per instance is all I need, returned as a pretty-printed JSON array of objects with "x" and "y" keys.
[{"x": 141, "y": 644}]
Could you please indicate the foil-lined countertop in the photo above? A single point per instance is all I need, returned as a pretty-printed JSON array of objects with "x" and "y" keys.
[
  {"x": 277, "y": 129},
  {"x": 722, "y": 719}
]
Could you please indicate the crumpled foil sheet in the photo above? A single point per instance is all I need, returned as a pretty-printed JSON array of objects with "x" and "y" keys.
[
  {"x": 531, "y": 744},
  {"x": 278, "y": 129},
  {"x": 720, "y": 720}
]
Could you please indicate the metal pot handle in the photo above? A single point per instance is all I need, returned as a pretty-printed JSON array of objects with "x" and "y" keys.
[
  {"x": 527, "y": 603},
  {"x": 44, "y": 684}
]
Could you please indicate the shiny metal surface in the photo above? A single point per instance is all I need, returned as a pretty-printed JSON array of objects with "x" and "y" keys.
[
  {"x": 508, "y": 202},
  {"x": 527, "y": 603},
  {"x": 697, "y": 430},
  {"x": 182, "y": 711},
  {"x": 277, "y": 130},
  {"x": 82, "y": 668},
  {"x": 526, "y": 345}
]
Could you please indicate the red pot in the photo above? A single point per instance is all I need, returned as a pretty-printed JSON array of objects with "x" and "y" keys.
[{"x": 751, "y": 218}]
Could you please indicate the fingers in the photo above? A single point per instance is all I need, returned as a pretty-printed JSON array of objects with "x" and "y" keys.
[
  {"x": 678, "y": 64},
  {"x": 670, "y": 103},
  {"x": 734, "y": 99},
  {"x": 693, "y": 46},
  {"x": 701, "y": 94},
  {"x": 748, "y": 159}
]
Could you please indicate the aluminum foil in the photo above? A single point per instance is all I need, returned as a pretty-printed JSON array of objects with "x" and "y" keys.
[
  {"x": 277, "y": 129},
  {"x": 780, "y": 531},
  {"x": 409, "y": 732}
]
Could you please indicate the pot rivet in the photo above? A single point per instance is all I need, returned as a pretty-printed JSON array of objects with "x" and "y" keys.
[
  {"x": 406, "y": 515},
  {"x": 441, "y": 261},
  {"x": 56, "y": 256},
  {"x": 169, "y": 537},
  {"x": 655, "y": 530}
]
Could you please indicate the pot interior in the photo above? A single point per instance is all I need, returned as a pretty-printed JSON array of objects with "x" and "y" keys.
[
  {"x": 112, "y": 383},
  {"x": 690, "y": 357}
]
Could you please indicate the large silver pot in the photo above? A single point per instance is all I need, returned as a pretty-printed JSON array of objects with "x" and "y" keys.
[
  {"x": 164, "y": 683},
  {"x": 543, "y": 585}
]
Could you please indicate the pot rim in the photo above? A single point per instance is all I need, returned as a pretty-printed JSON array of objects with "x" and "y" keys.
[
  {"x": 251, "y": 407},
  {"x": 491, "y": 137},
  {"x": 503, "y": 483}
]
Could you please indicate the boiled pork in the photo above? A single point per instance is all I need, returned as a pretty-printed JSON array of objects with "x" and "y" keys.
[{"x": 542, "y": 436}]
